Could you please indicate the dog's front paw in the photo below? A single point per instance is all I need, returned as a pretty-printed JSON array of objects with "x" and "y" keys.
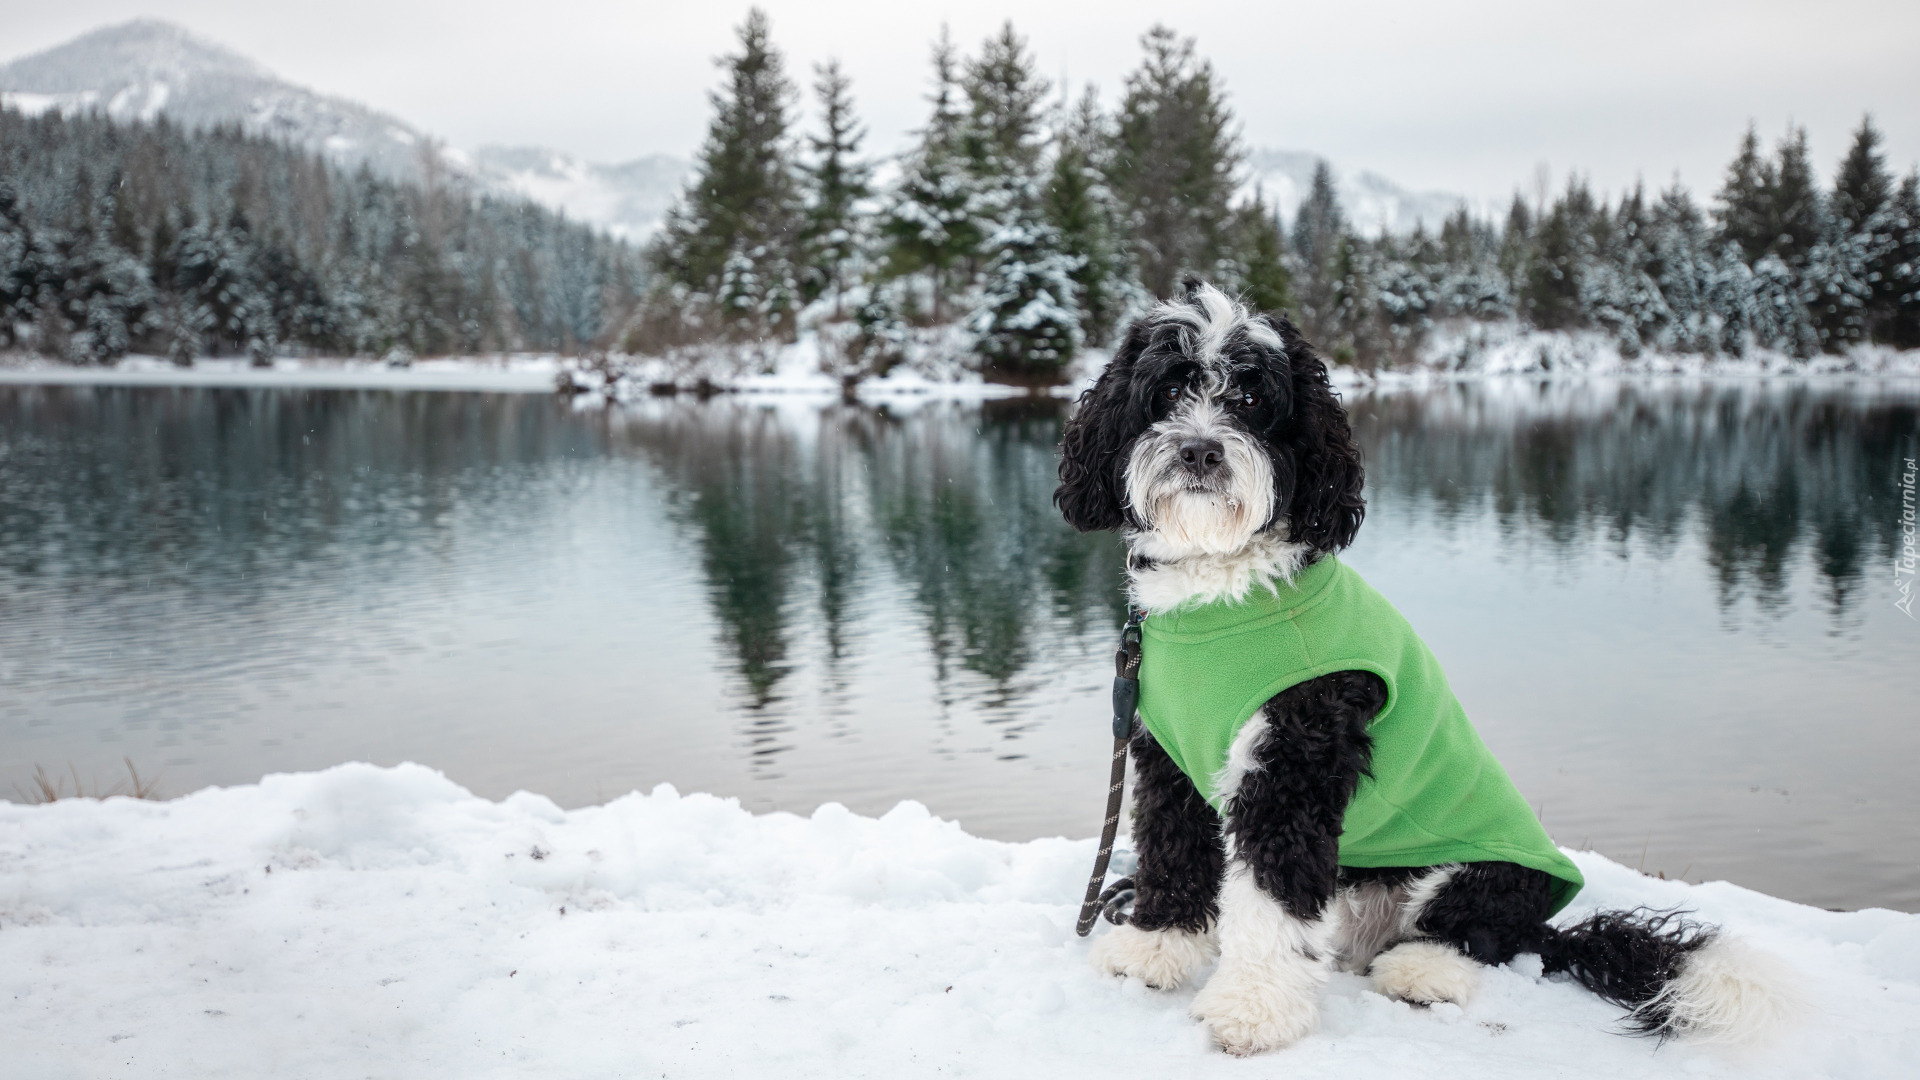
[
  {"x": 1254, "y": 1008},
  {"x": 1425, "y": 972},
  {"x": 1163, "y": 959}
]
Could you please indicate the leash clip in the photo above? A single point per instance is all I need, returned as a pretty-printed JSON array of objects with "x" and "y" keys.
[{"x": 1126, "y": 672}]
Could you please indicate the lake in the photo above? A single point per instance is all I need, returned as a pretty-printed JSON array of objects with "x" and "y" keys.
[{"x": 1668, "y": 606}]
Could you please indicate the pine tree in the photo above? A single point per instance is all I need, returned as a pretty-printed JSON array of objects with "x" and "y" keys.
[
  {"x": 1863, "y": 188},
  {"x": 1261, "y": 276},
  {"x": 1796, "y": 208},
  {"x": 1517, "y": 253},
  {"x": 1001, "y": 134},
  {"x": 1082, "y": 209},
  {"x": 1562, "y": 256},
  {"x": 1745, "y": 212},
  {"x": 935, "y": 219},
  {"x": 1681, "y": 266},
  {"x": 1404, "y": 294},
  {"x": 1320, "y": 222},
  {"x": 1902, "y": 328},
  {"x": 734, "y": 234},
  {"x": 1027, "y": 326},
  {"x": 1858, "y": 268},
  {"x": 838, "y": 183},
  {"x": 1174, "y": 162},
  {"x": 1318, "y": 229},
  {"x": 1470, "y": 283},
  {"x": 19, "y": 265}
]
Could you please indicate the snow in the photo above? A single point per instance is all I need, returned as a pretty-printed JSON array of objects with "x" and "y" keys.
[
  {"x": 1475, "y": 349},
  {"x": 941, "y": 366},
  {"x": 503, "y": 374},
  {"x": 369, "y": 921}
]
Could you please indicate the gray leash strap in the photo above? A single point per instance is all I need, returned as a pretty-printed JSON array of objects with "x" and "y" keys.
[{"x": 1126, "y": 695}]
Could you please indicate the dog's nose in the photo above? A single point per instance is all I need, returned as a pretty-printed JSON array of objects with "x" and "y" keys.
[{"x": 1202, "y": 456}]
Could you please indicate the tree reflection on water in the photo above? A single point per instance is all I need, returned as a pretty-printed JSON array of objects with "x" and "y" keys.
[{"x": 800, "y": 511}]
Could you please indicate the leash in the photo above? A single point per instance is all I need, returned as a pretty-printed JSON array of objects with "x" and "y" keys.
[{"x": 1126, "y": 695}]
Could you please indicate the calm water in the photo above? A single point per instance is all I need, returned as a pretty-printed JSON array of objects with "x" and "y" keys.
[{"x": 1669, "y": 607}]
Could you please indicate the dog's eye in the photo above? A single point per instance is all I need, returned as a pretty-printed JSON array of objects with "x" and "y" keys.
[
  {"x": 1248, "y": 399},
  {"x": 1171, "y": 392}
]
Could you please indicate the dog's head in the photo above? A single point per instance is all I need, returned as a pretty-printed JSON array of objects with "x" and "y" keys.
[{"x": 1212, "y": 427}]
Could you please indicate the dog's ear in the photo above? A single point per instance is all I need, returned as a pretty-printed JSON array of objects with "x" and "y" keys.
[
  {"x": 1327, "y": 505},
  {"x": 1104, "y": 422}
]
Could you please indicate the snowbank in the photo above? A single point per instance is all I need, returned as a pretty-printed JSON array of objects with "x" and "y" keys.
[
  {"x": 366, "y": 921},
  {"x": 1475, "y": 350},
  {"x": 939, "y": 366},
  {"x": 508, "y": 374}
]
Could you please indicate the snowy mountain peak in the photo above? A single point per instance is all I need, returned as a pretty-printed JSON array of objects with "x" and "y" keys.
[
  {"x": 1373, "y": 203},
  {"x": 143, "y": 51},
  {"x": 147, "y": 68}
]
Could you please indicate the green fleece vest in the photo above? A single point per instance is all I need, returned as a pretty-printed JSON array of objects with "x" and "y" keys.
[{"x": 1436, "y": 794}]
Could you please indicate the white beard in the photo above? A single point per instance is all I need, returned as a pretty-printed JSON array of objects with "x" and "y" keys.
[{"x": 1186, "y": 580}]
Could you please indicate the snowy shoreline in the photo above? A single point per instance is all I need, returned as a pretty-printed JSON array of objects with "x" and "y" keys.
[
  {"x": 363, "y": 920},
  {"x": 1470, "y": 352}
]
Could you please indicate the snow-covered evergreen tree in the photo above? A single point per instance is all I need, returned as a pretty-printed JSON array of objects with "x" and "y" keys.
[
  {"x": 1175, "y": 162},
  {"x": 1259, "y": 272},
  {"x": 735, "y": 233},
  {"x": 1902, "y": 266},
  {"x": 1852, "y": 273},
  {"x": 1680, "y": 262},
  {"x": 1027, "y": 325},
  {"x": 1081, "y": 206},
  {"x": 1001, "y": 134},
  {"x": 1745, "y": 209},
  {"x": 1470, "y": 284},
  {"x": 937, "y": 218},
  {"x": 1561, "y": 258},
  {"x": 838, "y": 184}
]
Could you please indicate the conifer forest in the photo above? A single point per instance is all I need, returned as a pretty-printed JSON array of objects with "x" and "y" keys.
[{"x": 1025, "y": 221}]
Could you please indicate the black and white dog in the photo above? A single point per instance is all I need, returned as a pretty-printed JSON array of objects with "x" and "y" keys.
[{"x": 1215, "y": 442}]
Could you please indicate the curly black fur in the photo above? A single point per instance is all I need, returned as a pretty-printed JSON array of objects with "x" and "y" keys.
[
  {"x": 1176, "y": 835},
  {"x": 1628, "y": 958},
  {"x": 1326, "y": 507},
  {"x": 1285, "y": 819},
  {"x": 1492, "y": 911},
  {"x": 1317, "y": 473}
]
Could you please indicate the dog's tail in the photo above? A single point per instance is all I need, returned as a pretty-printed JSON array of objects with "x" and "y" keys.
[{"x": 1674, "y": 975}]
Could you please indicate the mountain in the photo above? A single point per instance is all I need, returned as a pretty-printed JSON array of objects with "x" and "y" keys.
[
  {"x": 148, "y": 68},
  {"x": 628, "y": 200},
  {"x": 1371, "y": 201}
]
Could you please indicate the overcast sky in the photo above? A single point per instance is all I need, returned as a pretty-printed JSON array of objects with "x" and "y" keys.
[{"x": 1463, "y": 97}]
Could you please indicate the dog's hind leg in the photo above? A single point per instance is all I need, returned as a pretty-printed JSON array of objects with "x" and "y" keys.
[
  {"x": 1176, "y": 834},
  {"x": 1290, "y": 774},
  {"x": 1455, "y": 919}
]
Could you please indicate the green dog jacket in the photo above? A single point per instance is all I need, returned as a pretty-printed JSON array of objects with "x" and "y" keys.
[{"x": 1436, "y": 794}]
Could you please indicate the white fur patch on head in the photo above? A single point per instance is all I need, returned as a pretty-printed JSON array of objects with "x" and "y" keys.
[
  {"x": 1216, "y": 519},
  {"x": 1729, "y": 991},
  {"x": 1425, "y": 972},
  {"x": 1163, "y": 959},
  {"x": 1214, "y": 316}
]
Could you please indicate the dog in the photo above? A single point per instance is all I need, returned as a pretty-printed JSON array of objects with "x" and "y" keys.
[{"x": 1215, "y": 443}]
